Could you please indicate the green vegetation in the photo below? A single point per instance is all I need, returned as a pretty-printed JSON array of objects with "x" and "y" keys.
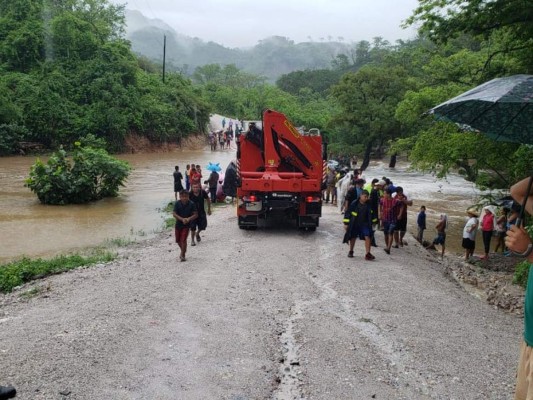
[
  {"x": 66, "y": 71},
  {"x": 521, "y": 273},
  {"x": 92, "y": 175},
  {"x": 18, "y": 272}
]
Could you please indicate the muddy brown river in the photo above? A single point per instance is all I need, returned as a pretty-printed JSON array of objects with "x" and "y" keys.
[{"x": 28, "y": 228}]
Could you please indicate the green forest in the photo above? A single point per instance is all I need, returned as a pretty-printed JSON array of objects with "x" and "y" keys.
[{"x": 67, "y": 71}]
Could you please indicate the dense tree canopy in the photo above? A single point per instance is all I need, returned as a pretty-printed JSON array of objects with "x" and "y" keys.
[{"x": 65, "y": 72}]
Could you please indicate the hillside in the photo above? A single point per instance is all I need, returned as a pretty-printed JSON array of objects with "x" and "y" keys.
[{"x": 271, "y": 57}]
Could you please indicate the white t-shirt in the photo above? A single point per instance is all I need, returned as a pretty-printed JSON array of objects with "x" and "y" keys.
[{"x": 466, "y": 231}]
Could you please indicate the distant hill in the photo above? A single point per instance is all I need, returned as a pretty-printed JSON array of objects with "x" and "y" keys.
[{"x": 271, "y": 57}]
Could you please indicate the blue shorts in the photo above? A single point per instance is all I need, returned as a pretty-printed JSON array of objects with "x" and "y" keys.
[
  {"x": 360, "y": 232},
  {"x": 388, "y": 227},
  {"x": 440, "y": 239}
]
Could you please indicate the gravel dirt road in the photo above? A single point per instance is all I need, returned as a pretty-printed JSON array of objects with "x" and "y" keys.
[{"x": 267, "y": 314}]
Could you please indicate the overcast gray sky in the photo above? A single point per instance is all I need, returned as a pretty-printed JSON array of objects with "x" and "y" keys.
[{"x": 240, "y": 23}]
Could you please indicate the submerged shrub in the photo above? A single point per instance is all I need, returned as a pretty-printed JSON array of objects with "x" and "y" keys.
[{"x": 90, "y": 174}]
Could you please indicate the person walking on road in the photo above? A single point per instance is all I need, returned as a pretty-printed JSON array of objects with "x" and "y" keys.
[
  {"x": 388, "y": 212},
  {"x": 199, "y": 197},
  {"x": 184, "y": 212},
  {"x": 178, "y": 185},
  {"x": 519, "y": 241},
  {"x": 358, "y": 221}
]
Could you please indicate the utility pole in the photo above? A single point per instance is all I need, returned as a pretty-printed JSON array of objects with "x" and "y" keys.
[{"x": 164, "y": 54}]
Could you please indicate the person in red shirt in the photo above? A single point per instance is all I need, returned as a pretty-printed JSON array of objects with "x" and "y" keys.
[
  {"x": 487, "y": 226},
  {"x": 388, "y": 214},
  {"x": 195, "y": 176}
]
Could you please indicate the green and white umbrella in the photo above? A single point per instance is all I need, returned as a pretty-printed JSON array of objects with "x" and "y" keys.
[{"x": 502, "y": 109}]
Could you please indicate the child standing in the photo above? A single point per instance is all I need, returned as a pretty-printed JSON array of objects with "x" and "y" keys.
[
  {"x": 421, "y": 223},
  {"x": 358, "y": 221}
]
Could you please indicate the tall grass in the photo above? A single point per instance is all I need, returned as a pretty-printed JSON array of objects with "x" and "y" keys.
[{"x": 18, "y": 272}]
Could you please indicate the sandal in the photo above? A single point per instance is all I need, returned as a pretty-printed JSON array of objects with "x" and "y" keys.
[
  {"x": 350, "y": 254},
  {"x": 182, "y": 258},
  {"x": 193, "y": 244},
  {"x": 198, "y": 238}
]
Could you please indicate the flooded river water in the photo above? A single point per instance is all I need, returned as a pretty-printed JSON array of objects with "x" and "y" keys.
[{"x": 32, "y": 229}]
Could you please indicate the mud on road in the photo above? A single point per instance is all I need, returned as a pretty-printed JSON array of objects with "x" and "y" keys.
[{"x": 267, "y": 314}]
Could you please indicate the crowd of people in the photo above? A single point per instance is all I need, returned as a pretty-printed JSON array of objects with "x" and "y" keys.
[
  {"x": 223, "y": 138},
  {"x": 379, "y": 205},
  {"x": 192, "y": 194}
]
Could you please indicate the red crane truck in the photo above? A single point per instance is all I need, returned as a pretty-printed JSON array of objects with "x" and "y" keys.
[{"x": 280, "y": 171}]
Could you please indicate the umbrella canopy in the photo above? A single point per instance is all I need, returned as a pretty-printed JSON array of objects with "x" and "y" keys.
[
  {"x": 214, "y": 167},
  {"x": 502, "y": 109}
]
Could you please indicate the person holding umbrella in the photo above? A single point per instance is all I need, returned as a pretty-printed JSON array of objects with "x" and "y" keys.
[
  {"x": 518, "y": 241},
  {"x": 213, "y": 180}
]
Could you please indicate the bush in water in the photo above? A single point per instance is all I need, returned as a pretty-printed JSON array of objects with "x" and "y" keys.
[{"x": 91, "y": 175}]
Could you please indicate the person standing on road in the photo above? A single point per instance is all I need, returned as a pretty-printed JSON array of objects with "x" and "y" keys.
[
  {"x": 401, "y": 223},
  {"x": 358, "y": 221},
  {"x": 469, "y": 233},
  {"x": 487, "y": 226},
  {"x": 178, "y": 186},
  {"x": 213, "y": 184},
  {"x": 518, "y": 241},
  {"x": 330, "y": 185},
  {"x": 501, "y": 227},
  {"x": 199, "y": 197},
  {"x": 187, "y": 177},
  {"x": 184, "y": 212},
  {"x": 375, "y": 195},
  {"x": 388, "y": 211},
  {"x": 421, "y": 223}
]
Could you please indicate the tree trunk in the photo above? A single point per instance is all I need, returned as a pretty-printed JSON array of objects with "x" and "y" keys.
[
  {"x": 366, "y": 159},
  {"x": 392, "y": 162}
]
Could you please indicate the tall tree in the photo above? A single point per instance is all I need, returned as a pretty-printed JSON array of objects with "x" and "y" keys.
[{"x": 368, "y": 100}]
